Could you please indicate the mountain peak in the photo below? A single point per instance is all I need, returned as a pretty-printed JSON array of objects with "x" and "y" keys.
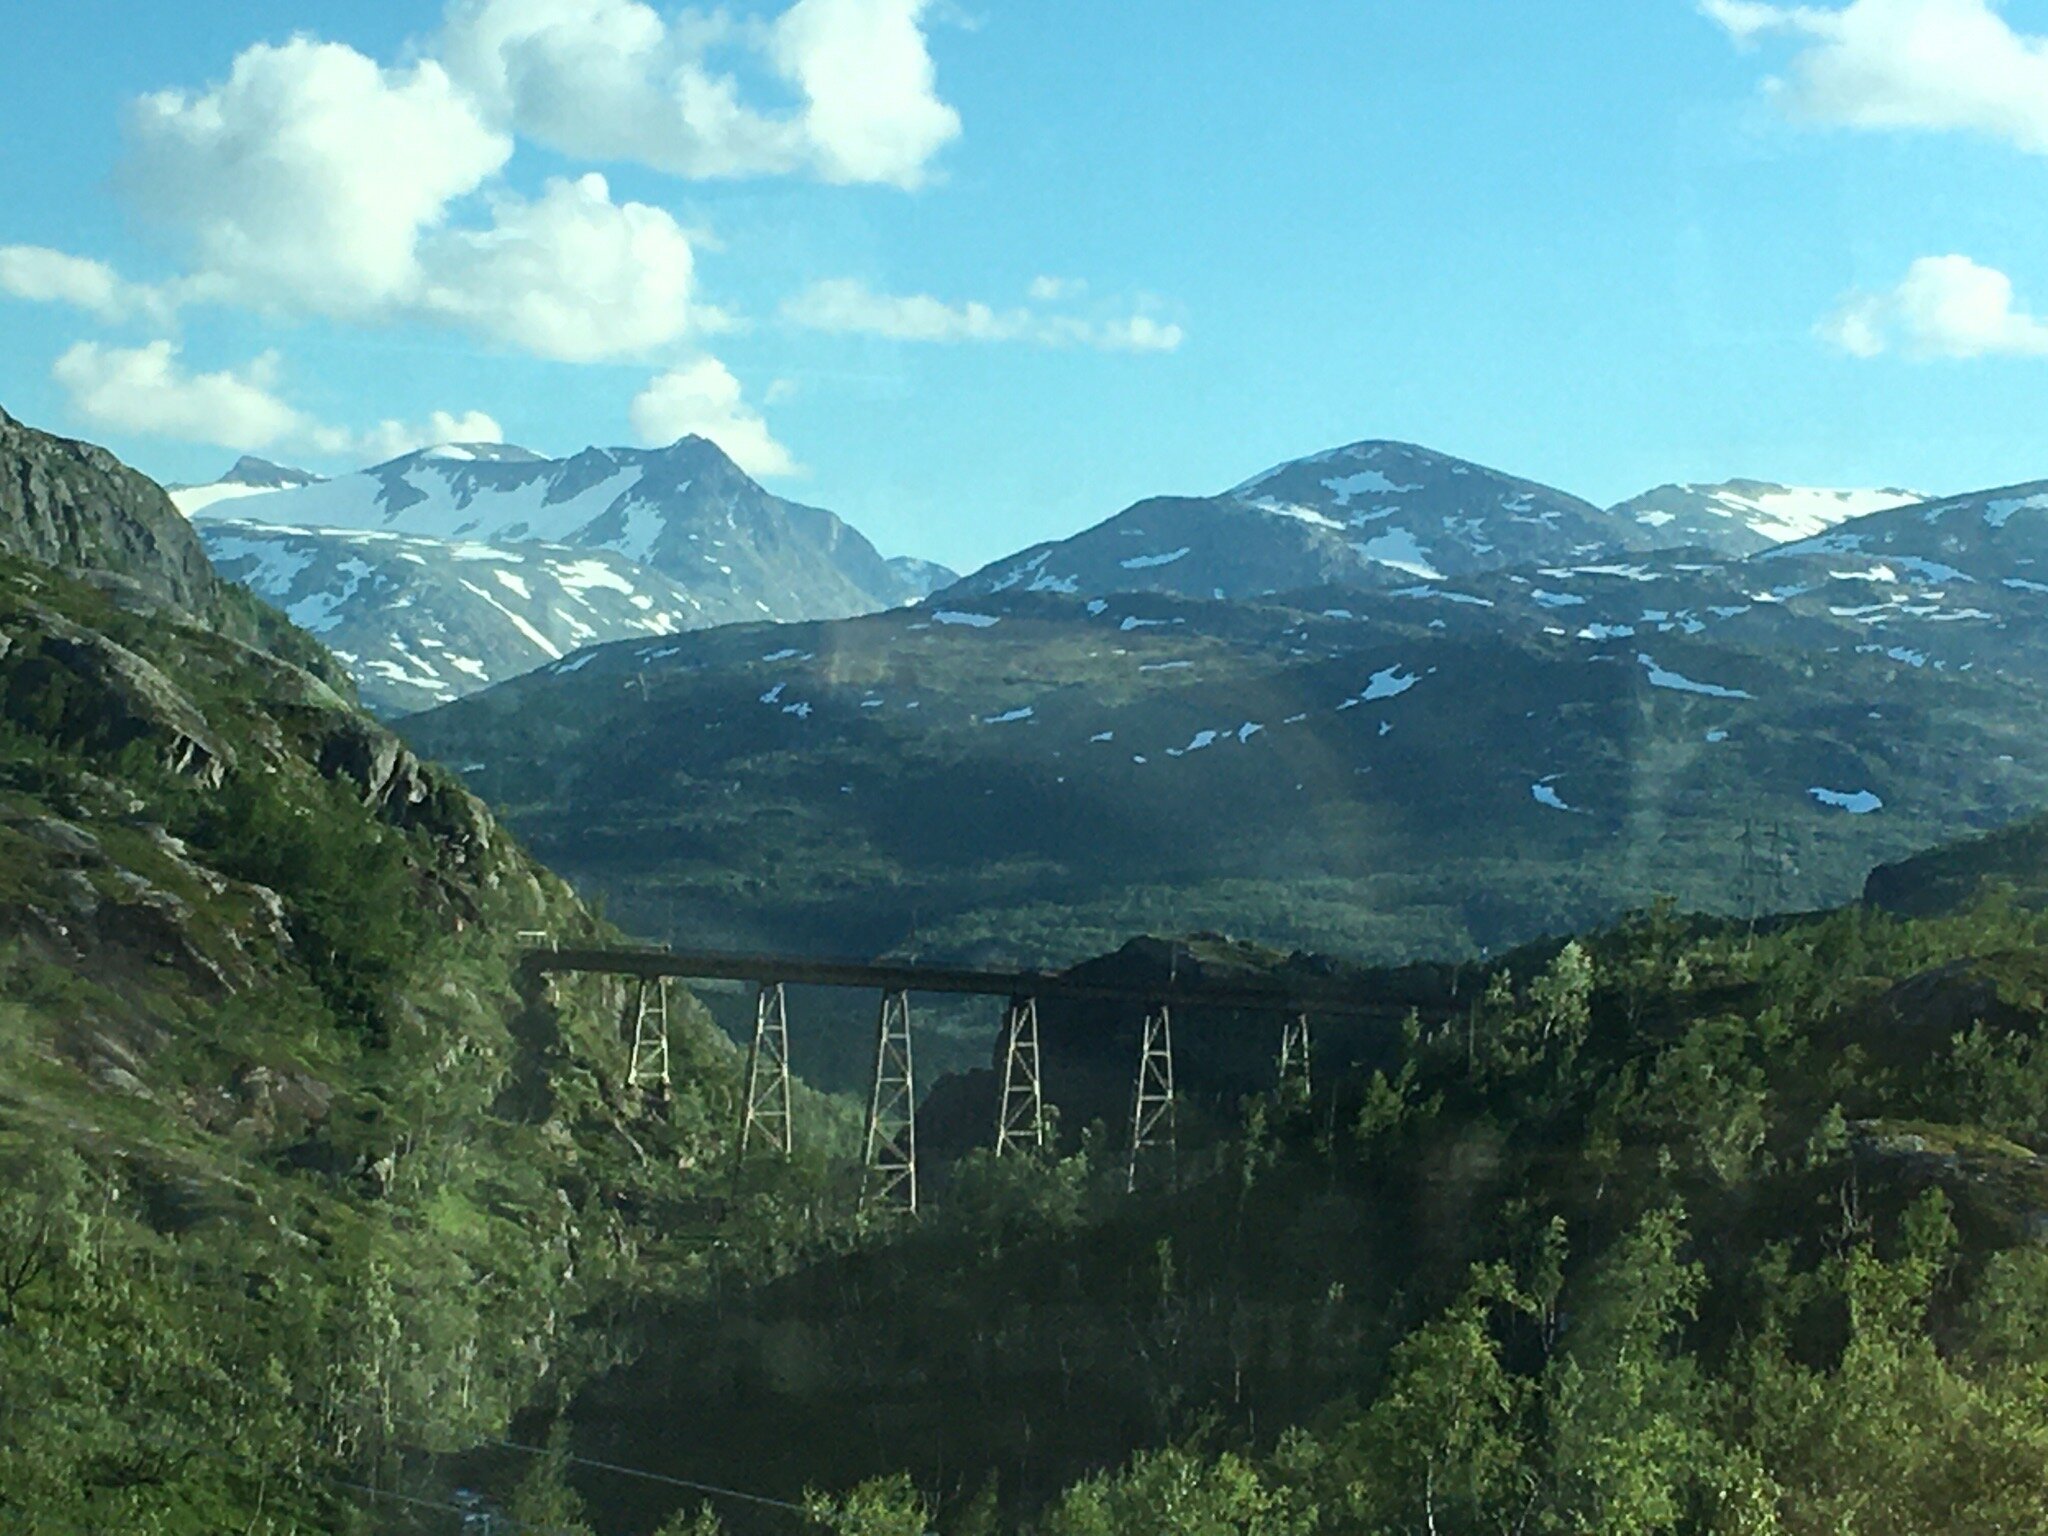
[
  {"x": 696, "y": 450},
  {"x": 1369, "y": 512},
  {"x": 250, "y": 470},
  {"x": 1389, "y": 451},
  {"x": 487, "y": 453},
  {"x": 1744, "y": 517}
]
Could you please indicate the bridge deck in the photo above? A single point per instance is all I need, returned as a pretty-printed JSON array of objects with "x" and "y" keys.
[{"x": 715, "y": 965}]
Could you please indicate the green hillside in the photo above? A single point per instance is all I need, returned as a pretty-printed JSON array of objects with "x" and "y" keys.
[
  {"x": 294, "y": 1178},
  {"x": 1679, "y": 1228},
  {"x": 1388, "y": 779},
  {"x": 314, "y": 1217}
]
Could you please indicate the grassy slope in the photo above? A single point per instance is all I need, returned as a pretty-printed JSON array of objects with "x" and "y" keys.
[{"x": 260, "y": 1017}]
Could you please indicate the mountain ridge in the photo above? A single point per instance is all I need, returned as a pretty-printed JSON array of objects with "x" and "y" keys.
[{"x": 456, "y": 565}]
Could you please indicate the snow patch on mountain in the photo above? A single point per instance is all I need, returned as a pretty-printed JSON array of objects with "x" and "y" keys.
[{"x": 1661, "y": 677}]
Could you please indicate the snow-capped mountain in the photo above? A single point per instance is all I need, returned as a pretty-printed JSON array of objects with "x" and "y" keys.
[
  {"x": 248, "y": 477},
  {"x": 1415, "y": 752},
  {"x": 1470, "y": 762},
  {"x": 1742, "y": 517},
  {"x": 461, "y": 565},
  {"x": 686, "y": 510},
  {"x": 1372, "y": 513},
  {"x": 421, "y": 621}
]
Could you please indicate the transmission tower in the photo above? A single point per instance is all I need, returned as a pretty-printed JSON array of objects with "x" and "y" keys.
[
  {"x": 1154, "y": 1152},
  {"x": 764, "y": 1108},
  {"x": 648, "y": 1065},
  {"x": 1779, "y": 853},
  {"x": 1294, "y": 1070},
  {"x": 1751, "y": 875},
  {"x": 890, "y": 1177},
  {"x": 1020, "y": 1125}
]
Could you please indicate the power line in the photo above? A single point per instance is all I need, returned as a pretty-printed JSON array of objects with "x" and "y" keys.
[
  {"x": 419, "y": 1503},
  {"x": 652, "y": 1477},
  {"x": 688, "y": 1485}
]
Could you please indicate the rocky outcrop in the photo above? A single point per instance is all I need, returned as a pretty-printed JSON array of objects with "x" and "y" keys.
[
  {"x": 77, "y": 507},
  {"x": 130, "y": 700},
  {"x": 402, "y": 790}
]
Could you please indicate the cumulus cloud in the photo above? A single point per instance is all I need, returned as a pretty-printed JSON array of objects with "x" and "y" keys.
[
  {"x": 611, "y": 80},
  {"x": 848, "y": 306},
  {"x": 1054, "y": 290},
  {"x": 1928, "y": 64},
  {"x": 872, "y": 111},
  {"x": 570, "y": 275},
  {"x": 704, "y": 399},
  {"x": 1945, "y": 306},
  {"x": 308, "y": 178},
  {"x": 145, "y": 389},
  {"x": 53, "y": 277},
  {"x": 148, "y": 390},
  {"x": 316, "y": 182},
  {"x": 390, "y": 439}
]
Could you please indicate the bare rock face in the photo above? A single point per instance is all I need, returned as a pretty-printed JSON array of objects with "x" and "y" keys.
[
  {"x": 394, "y": 783},
  {"x": 386, "y": 773},
  {"x": 133, "y": 700},
  {"x": 77, "y": 507}
]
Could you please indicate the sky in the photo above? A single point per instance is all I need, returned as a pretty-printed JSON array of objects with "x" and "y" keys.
[{"x": 976, "y": 273}]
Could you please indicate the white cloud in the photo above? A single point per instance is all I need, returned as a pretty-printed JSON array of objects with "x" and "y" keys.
[
  {"x": 1930, "y": 64},
  {"x": 146, "y": 390},
  {"x": 306, "y": 181},
  {"x": 848, "y": 306},
  {"x": 143, "y": 389},
  {"x": 1053, "y": 290},
  {"x": 53, "y": 277},
  {"x": 571, "y": 275},
  {"x": 1945, "y": 306},
  {"x": 873, "y": 113},
  {"x": 389, "y": 439},
  {"x": 610, "y": 80},
  {"x": 1139, "y": 333},
  {"x": 705, "y": 399},
  {"x": 315, "y": 181}
]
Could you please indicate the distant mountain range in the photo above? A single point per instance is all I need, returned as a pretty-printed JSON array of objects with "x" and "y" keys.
[
  {"x": 1741, "y": 517},
  {"x": 1523, "y": 714},
  {"x": 246, "y": 477},
  {"x": 460, "y": 565},
  {"x": 1385, "y": 514}
]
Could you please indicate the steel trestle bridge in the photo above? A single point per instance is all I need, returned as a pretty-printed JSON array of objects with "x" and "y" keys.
[{"x": 890, "y": 1144}]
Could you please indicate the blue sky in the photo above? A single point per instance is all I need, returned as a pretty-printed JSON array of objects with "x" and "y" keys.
[{"x": 978, "y": 273}]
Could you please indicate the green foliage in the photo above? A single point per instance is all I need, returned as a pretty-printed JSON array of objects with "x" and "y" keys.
[
  {"x": 882, "y": 1506},
  {"x": 703, "y": 1521},
  {"x": 1698, "y": 1230},
  {"x": 999, "y": 1202},
  {"x": 1178, "y": 1491},
  {"x": 543, "y": 1499},
  {"x": 348, "y": 886}
]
